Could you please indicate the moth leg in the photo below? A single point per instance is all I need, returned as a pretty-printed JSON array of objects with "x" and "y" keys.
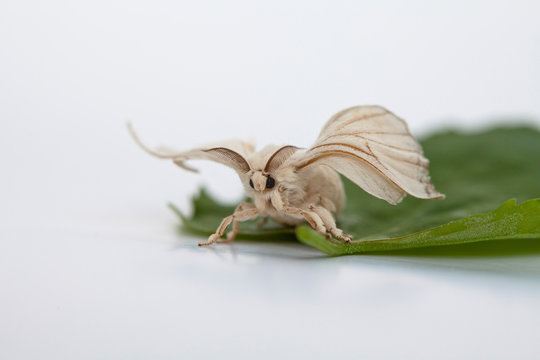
[
  {"x": 330, "y": 223},
  {"x": 235, "y": 223},
  {"x": 241, "y": 215},
  {"x": 313, "y": 219},
  {"x": 231, "y": 235}
]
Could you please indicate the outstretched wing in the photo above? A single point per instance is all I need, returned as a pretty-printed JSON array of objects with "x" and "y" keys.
[
  {"x": 373, "y": 148},
  {"x": 231, "y": 153}
]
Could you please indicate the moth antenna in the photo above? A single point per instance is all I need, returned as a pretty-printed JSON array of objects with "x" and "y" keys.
[
  {"x": 279, "y": 157},
  {"x": 177, "y": 158},
  {"x": 182, "y": 164},
  {"x": 146, "y": 148}
]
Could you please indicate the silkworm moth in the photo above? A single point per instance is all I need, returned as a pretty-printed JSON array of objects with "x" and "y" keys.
[{"x": 367, "y": 144}]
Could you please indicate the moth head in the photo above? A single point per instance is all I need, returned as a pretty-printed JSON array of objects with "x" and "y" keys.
[
  {"x": 270, "y": 168},
  {"x": 261, "y": 181}
]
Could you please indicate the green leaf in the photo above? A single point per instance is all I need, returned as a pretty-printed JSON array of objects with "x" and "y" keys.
[
  {"x": 480, "y": 174},
  {"x": 510, "y": 221}
]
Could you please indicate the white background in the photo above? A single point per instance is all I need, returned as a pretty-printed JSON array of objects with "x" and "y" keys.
[{"x": 91, "y": 262}]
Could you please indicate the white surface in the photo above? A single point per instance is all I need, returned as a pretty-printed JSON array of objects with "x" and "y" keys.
[{"x": 91, "y": 263}]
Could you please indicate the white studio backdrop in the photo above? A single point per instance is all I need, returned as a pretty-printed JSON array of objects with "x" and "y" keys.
[
  {"x": 185, "y": 73},
  {"x": 72, "y": 73}
]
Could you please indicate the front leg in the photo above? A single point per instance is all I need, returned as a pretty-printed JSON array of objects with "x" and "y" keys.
[
  {"x": 243, "y": 212},
  {"x": 278, "y": 200},
  {"x": 236, "y": 223}
]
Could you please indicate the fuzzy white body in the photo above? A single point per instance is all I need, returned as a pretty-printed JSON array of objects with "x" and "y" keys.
[{"x": 316, "y": 186}]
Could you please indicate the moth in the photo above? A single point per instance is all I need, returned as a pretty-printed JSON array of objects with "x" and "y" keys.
[{"x": 367, "y": 144}]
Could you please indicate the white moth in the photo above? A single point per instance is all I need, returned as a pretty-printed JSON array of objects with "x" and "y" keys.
[{"x": 367, "y": 144}]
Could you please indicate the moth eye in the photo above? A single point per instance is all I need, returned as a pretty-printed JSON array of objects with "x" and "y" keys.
[
  {"x": 251, "y": 184},
  {"x": 270, "y": 182}
]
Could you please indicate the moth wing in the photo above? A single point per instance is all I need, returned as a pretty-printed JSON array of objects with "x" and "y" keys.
[
  {"x": 373, "y": 148},
  {"x": 232, "y": 153}
]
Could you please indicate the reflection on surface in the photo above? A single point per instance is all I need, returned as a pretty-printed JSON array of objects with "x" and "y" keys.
[{"x": 519, "y": 258}]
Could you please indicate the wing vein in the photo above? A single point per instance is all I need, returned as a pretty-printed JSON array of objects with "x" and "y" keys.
[{"x": 371, "y": 140}]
